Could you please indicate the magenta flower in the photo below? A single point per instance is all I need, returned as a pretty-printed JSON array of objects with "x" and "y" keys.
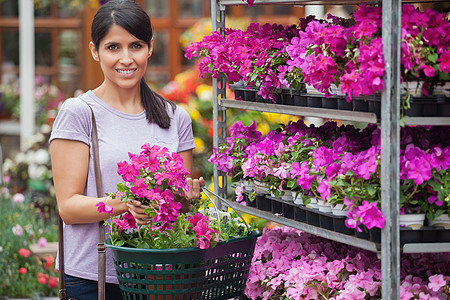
[
  {"x": 103, "y": 208},
  {"x": 324, "y": 189},
  {"x": 127, "y": 171},
  {"x": 370, "y": 215}
]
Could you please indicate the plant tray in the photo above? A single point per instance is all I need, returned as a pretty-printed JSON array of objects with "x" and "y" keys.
[{"x": 186, "y": 273}]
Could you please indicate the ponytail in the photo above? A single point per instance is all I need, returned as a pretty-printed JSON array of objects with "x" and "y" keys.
[{"x": 155, "y": 106}]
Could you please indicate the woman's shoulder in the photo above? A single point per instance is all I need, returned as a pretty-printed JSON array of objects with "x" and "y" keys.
[
  {"x": 77, "y": 104},
  {"x": 178, "y": 112}
]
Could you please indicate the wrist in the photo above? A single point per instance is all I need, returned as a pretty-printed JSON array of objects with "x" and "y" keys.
[{"x": 119, "y": 207}]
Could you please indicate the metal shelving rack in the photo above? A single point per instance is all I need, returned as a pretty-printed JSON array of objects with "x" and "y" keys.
[{"x": 390, "y": 140}]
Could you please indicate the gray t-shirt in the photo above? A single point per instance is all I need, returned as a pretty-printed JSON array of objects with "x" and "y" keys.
[{"x": 118, "y": 134}]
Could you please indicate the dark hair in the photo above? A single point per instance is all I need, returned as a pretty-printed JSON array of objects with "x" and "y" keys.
[{"x": 130, "y": 16}]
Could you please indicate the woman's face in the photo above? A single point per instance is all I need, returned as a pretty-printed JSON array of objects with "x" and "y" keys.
[{"x": 123, "y": 58}]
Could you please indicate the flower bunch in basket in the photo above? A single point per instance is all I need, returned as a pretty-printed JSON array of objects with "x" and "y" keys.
[{"x": 157, "y": 178}]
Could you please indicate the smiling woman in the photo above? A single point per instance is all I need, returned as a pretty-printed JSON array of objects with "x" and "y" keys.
[{"x": 127, "y": 114}]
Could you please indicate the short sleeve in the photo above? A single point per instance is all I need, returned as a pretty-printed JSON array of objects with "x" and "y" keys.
[
  {"x": 73, "y": 122},
  {"x": 185, "y": 133}
]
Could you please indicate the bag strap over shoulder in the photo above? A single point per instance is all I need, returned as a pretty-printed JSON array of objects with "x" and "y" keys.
[{"x": 101, "y": 249}]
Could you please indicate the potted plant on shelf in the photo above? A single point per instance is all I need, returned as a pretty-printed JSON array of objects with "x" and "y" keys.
[{"x": 177, "y": 251}]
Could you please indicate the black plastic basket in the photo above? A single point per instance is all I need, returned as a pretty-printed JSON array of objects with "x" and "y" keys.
[{"x": 186, "y": 273}]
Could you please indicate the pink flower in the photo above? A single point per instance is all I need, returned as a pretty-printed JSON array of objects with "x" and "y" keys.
[
  {"x": 324, "y": 189},
  {"x": 42, "y": 242},
  {"x": 239, "y": 190},
  {"x": 370, "y": 215},
  {"x": 17, "y": 230},
  {"x": 23, "y": 271},
  {"x": 18, "y": 198},
  {"x": 24, "y": 252},
  {"x": 103, "y": 208},
  {"x": 436, "y": 282},
  {"x": 127, "y": 171}
]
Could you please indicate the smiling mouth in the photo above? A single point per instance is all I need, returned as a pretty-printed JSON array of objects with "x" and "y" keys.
[{"x": 126, "y": 71}]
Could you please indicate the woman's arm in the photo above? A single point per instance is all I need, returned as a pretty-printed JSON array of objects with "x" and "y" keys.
[{"x": 70, "y": 163}]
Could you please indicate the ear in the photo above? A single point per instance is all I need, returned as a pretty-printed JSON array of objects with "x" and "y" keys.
[
  {"x": 150, "y": 50},
  {"x": 94, "y": 52}
]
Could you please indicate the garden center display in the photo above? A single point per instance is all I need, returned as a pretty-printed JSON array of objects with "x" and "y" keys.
[{"x": 306, "y": 70}]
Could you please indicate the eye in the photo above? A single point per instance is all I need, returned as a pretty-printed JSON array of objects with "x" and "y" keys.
[
  {"x": 136, "y": 46},
  {"x": 112, "y": 47}
]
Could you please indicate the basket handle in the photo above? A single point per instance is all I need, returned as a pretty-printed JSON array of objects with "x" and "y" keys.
[{"x": 206, "y": 190}]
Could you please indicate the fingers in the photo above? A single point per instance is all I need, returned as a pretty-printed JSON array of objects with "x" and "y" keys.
[
  {"x": 195, "y": 187},
  {"x": 136, "y": 209}
]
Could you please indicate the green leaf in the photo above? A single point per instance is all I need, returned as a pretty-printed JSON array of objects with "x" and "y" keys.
[{"x": 433, "y": 57}]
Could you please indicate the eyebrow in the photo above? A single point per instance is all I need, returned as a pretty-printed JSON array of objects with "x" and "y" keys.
[{"x": 133, "y": 42}]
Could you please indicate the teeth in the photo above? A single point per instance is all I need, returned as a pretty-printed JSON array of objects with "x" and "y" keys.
[{"x": 125, "y": 71}]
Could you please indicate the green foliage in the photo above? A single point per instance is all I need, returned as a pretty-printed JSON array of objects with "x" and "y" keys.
[
  {"x": 229, "y": 225},
  {"x": 21, "y": 225}
]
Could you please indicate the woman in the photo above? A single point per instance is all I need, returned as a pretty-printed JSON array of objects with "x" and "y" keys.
[{"x": 128, "y": 114}]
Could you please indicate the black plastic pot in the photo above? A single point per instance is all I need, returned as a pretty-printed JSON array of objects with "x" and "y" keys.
[
  {"x": 300, "y": 100},
  {"x": 248, "y": 201},
  {"x": 329, "y": 102},
  {"x": 312, "y": 217},
  {"x": 288, "y": 211},
  {"x": 326, "y": 221},
  {"x": 374, "y": 103},
  {"x": 443, "y": 106},
  {"x": 360, "y": 104},
  {"x": 300, "y": 214},
  {"x": 277, "y": 207},
  {"x": 314, "y": 101},
  {"x": 263, "y": 203},
  {"x": 342, "y": 104},
  {"x": 250, "y": 95},
  {"x": 339, "y": 226}
]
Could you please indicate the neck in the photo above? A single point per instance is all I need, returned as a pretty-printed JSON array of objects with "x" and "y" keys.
[{"x": 124, "y": 100}]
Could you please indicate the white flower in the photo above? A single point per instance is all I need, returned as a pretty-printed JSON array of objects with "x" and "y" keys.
[
  {"x": 36, "y": 171},
  {"x": 41, "y": 157},
  {"x": 21, "y": 158},
  {"x": 8, "y": 164},
  {"x": 30, "y": 154}
]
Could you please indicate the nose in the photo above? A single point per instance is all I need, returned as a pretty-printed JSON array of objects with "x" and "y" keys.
[{"x": 126, "y": 57}]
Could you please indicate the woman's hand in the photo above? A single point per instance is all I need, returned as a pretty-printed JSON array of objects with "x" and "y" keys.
[
  {"x": 135, "y": 208},
  {"x": 193, "y": 193},
  {"x": 195, "y": 188}
]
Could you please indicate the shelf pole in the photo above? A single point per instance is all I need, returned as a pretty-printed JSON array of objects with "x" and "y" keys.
[
  {"x": 26, "y": 70},
  {"x": 219, "y": 114},
  {"x": 390, "y": 148}
]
